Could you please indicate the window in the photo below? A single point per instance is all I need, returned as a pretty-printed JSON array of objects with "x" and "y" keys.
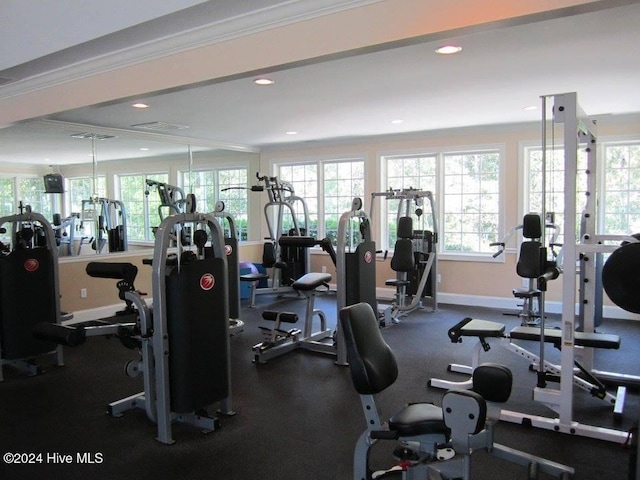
[
  {"x": 202, "y": 185},
  {"x": 403, "y": 173},
  {"x": 554, "y": 188},
  {"x": 471, "y": 201},
  {"x": 304, "y": 180},
  {"x": 619, "y": 196},
  {"x": 142, "y": 210},
  {"x": 465, "y": 187},
  {"x": 7, "y": 196},
  {"x": 31, "y": 192},
  {"x": 232, "y": 190},
  {"x": 82, "y": 188},
  {"x": 340, "y": 181},
  {"x": 343, "y": 181},
  {"x": 622, "y": 189},
  {"x": 226, "y": 185}
]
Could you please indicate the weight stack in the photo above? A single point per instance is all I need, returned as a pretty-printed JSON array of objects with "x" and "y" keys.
[
  {"x": 27, "y": 297},
  {"x": 198, "y": 326}
]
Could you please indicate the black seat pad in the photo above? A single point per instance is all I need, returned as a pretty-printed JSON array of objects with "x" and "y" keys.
[
  {"x": 554, "y": 335},
  {"x": 311, "y": 281},
  {"x": 418, "y": 419}
]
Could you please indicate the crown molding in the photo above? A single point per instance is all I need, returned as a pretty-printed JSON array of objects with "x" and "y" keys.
[{"x": 285, "y": 13}]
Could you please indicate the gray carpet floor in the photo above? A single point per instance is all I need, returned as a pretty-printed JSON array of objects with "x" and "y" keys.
[{"x": 298, "y": 416}]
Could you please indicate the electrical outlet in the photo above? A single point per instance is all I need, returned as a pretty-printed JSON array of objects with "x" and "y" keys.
[
  {"x": 324, "y": 269},
  {"x": 439, "y": 278},
  {"x": 83, "y": 293}
]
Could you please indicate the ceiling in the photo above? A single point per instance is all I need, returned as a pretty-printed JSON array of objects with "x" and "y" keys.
[{"x": 498, "y": 73}]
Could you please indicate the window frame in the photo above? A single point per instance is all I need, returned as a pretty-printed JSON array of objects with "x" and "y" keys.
[
  {"x": 440, "y": 154},
  {"x": 243, "y": 233},
  {"x": 320, "y": 162},
  {"x": 601, "y": 173},
  {"x": 148, "y": 238}
]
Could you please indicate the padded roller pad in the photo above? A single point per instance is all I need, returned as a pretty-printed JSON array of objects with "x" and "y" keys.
[
  {"x": 60, "y": 334},
  {"x": 418, "y": 419},
  {"x": 119, "y": 271},
  {"x": 397, "y": 283},
  {"x": 311, "y": 281},
  {"x": 554, "y": 335},
  {"x": 286, "y": 317}
]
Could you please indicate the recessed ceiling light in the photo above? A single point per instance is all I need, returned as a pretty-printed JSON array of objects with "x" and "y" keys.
[
  {"x": 396, "y": 122},
  {"x": 263, "y": 81},
  {"x": 448, "y": 49},
  {"x": 530, "y": 107},
  {"x": 144, "y": 149},
  {"x": 140, "y": 105},
  {"x": 291, "y": 132}
]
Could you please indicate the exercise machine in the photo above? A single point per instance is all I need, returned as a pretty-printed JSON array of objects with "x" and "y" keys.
[
  {"x": 183, "y": 338},
  {"x": 287, "y": 263},
  {"x": 64, "y": 230},
  {"x": 173, "y": 200},
  {"x": 429, "y": 438},
  {"x": 106, "y": 222},
  {"x": 415, "y": 251},
  {"x": 576, "y": 347},
  {"x": 354, "y": 259},
  {"x": 29, "y": 290},
  {"x": 533, "y": 262}
]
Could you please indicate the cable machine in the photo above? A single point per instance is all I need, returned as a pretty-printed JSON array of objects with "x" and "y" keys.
[
  {"x": 29, "y": 290},
  {"x": 288, "y": 263},
  {"x": 577, "y": 348},
  {"x": 108, "y": 220},
  {"x": 415, "y": 252},
  {"x": 182, "y": 339}
]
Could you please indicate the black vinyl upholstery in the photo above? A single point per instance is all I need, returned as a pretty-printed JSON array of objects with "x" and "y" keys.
[
  {"x": 374, "y": 368},
  {"x": 403, "y": 259},
  {"x": 493, "y": 382},
  {"x": 372, "y": 364},
  {"x": 530, "y": 263},
  {"x": 531, "y": 226}
]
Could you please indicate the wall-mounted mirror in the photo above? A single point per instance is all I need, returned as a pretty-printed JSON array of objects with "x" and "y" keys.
[{"x": 113, "y": 182}]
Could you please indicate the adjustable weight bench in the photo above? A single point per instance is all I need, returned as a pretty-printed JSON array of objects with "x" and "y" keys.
[
  {"x": 483, "y": 329},
  {"x": 278, "y": 342}
]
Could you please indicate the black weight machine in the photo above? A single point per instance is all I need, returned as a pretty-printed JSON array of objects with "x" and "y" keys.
[
  {"x": 415, "y": 252},
  {"x": 354, "y": 260},
  {"x": 183, "y": 339},
  {"x": 108, "y": 224},
  {"x": 28, "y": 271},
  {"x": 288, "y": 263}
]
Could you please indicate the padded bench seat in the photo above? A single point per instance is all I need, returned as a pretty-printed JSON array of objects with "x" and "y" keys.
[
  {"x": 554, "y": 335},
  {"x": 311, "y": 281},
  {"x": 471, "y": 327}
]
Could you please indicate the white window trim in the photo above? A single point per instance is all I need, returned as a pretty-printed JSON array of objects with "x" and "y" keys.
[{"x": 440, "y": 153}]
